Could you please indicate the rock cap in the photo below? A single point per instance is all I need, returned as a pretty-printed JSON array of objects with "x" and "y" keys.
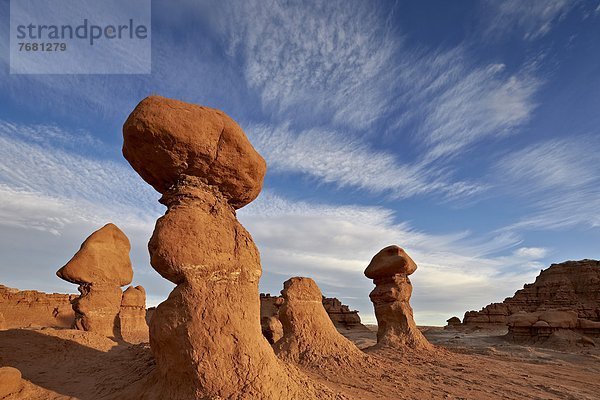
[
  {"x": 390, "y": 261},
  {"x": 102, "y": 258},
  {"x": 166, "y": 139}
]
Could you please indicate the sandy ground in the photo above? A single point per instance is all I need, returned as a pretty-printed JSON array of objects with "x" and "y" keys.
[{"x": 66, "y": 364}]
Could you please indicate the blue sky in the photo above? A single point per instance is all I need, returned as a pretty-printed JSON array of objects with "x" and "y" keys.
[{"x": 466, "y": 132}]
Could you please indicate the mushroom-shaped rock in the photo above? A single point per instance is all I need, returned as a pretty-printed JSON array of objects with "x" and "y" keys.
[
  {"x": 165, "y": 139},
  {"x": 10, "y": 381},
  {"x": 102, "y": 258},
  {"x": 390, "y": 261},
  {"x": 206, "y": 337},
  {"x": 132, "y": 316},
  {"x": 389, "y": 270},
  {"x": 100, "y": 267},
  {"x": 309, "y": 336}
]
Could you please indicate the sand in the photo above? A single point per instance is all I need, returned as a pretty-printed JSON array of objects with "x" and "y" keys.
[{"x": 68, "y": 364}]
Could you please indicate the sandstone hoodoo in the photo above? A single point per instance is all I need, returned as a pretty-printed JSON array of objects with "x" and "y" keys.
[
  {"x": 100, "y": 268},
  {"x": 309, "y": 336},
  {"x": 132, "y": 315},
  {"x": 571, "y": 285},
  {"x": 206, "y": 337},
  {"x": 389, "y": 270},
  {"x": 540, "y": 326}
]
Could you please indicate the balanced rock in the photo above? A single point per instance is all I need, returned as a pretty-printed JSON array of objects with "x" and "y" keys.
[
  {"x": 10, "y": 381},
  {"x": 206, "y": 337},
  {"x": 389, "y": 270},
  {"x": 100, "y": 267},
  {"x": 571, "y": 285},
  {"x": 309, "y": 336},
  {"x": 132, "y": 315}
]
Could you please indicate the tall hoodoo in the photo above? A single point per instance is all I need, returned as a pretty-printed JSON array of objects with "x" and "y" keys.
[
  {"x": 132, "y": 316},
  {"x": 389, "y": 270},
  {"x": 206, "y": 337},
  {"x": 309, "y": 336},
  {"x": 100, "y": 268}
]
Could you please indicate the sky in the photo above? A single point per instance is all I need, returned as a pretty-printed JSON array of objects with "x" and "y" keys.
[{"x": 466, "y": 132}]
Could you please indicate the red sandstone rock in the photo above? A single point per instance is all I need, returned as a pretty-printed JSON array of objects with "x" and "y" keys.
[
  {"x": 389, "y": 270},
  {"x": 571, "y": 285},
  {"x": 102, "y": 258},
  {"x": 100, "y": 267},
  {"x": 29, "y": 308},
  {"x": 10, "y": 381},
  {"x": 341, "y": 315},
  {"x": 206, "y": 337},
  {"x": 132, "y": 315},
  {"x": 167, "y": 139},
  {"x": 309, "y": 336}
]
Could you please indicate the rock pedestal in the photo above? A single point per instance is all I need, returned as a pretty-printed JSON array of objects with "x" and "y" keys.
[
  {"x": 309, "y": 336},
  {"x": 206, "y": 337},
  {"x": 389, "y": 270},
  {"x": 132, "y": 315},
  {"x": 100, "y": 268}
]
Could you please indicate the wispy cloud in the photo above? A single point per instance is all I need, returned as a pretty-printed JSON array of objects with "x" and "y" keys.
[
  {"x": 325, "y": 58},
  {"x": 334, "y": 244},
  {"x": 532, "y": 19},
  {"x": 559, "y": 178},
  {"x": 348, "y": 162}
]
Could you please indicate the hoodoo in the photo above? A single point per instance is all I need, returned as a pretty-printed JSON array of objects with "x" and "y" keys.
[
  {"x": 206, "y": 337},
  {"x": 309, "y": 336},
  {"x": 100, "y": 268},
  {"x": 389, "y": 270}
]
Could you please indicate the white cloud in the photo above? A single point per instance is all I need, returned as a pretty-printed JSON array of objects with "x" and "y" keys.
[
  {"x": 457, "y": 271},
  {"x": 531, "y": 252},
  {"x": 322, "y": 57},
  {"x": 533, "y": 19},
  {"x": 346, "y": 162},
  {"x": 559, "y": 179}
]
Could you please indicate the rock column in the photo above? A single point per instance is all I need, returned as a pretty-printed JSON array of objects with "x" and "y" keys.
[{"x": 389, "y": 270}]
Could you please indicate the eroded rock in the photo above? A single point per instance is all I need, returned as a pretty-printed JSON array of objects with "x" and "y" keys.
[
  {"x": 389, "y": 270},
  {"x": 132, "y": 315},
  {"x": 571, "y": 285},
  {"x": 30, "y": 308},
  {"x": 206, "y": 337},
  {"x": 10, "y": 381},
  {"x": 100, "y": 267},
  {"x": 309, "y": 336}
]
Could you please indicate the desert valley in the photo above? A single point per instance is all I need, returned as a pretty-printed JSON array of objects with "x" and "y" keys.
[{"x": 217, "y": 337}]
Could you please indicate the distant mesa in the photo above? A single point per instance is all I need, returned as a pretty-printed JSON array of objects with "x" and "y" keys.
[
  {"x": 389, "y": 270},
  {"x": 30, "y": 309},
  {"x": 571, "y": 286}
]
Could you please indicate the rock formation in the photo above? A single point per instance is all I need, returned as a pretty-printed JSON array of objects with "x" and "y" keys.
[
  {"x": 539, "y": 326},
  {"x": 269, "y": 317},
  {"x": 571, "y": 285},
  {"x": 3, "y": 325},
  {"x": 309, "y": 336},
  {"x": 100, "y": 268},
  {"x": 341, "y": 315},
  {"x": 30, "y": 308},
  {"x": 453, "y": 322},
  {"x": 132, "y": 316},
  {"x": 10, "y": 381},
  {"x": 389, "y": 270},
  {"x": 206, "y": 337}
]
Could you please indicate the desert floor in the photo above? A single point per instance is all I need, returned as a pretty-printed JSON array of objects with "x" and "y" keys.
[{"x": 67, "y": 364}]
